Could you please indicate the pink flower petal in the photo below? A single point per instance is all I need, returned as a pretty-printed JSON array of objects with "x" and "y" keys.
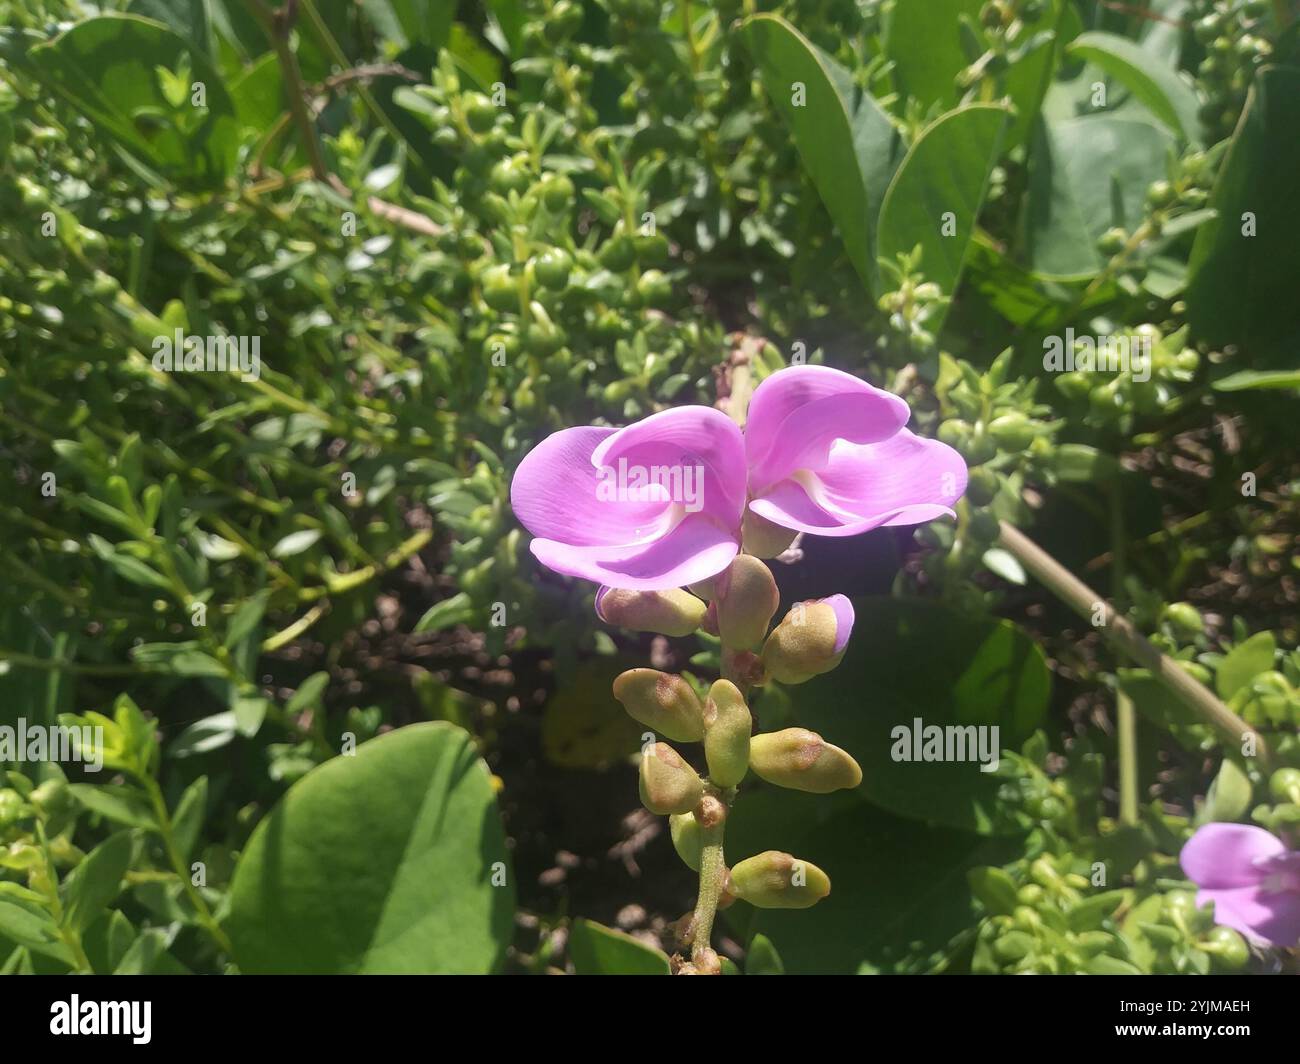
[
  {"x": 1221, "y": 856},
  {"x": 1256, "y": 913},
  {"x": 905, "y": 480},
  {"x": 681, "y": 442},
  {"x": 696, "y": 549},
  {"x": 554, "y": 495},
  {"x": 861, "y": 413}
]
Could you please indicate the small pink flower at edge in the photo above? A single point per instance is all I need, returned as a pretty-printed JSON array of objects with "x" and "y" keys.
[{"x": 1252, "y": 878}]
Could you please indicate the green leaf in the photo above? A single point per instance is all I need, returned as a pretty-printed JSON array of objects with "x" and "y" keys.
[
  {"x": 924, "y": 44},
  {"x": 911, "y": 659},
  {"x": 309, "y": 693},
  {"x": 762, "y": 958},
  {"x": 848, "y": 144},
  {"x": 1229, "y": 796},
  {"x": 296, "y": 543},
  {"x": 946, "y": 172},
  {"x": 1087, "y": 175},
  {"x": 1244, "y": 662},
  {"x": 1161, "y": 89},
  {"x": 203, "y": 736},
  {"x": 447, "y": 613},
  {"x": 1242, "y": 290},
  {"x": 187, "y": 818},
  {"x": 599, "y": 950},
  {"x": 391, "y": 860},
  {"x": 34, "y": 928},
  {"x": 96, "y": 881},
  {"x": 246, "y": 620},
  {"x": 995, "y": 889},
  {"x": 1251, "y": 380},
  {"x": 118, "y": 804},
  {"x": 106, "y": 67}
]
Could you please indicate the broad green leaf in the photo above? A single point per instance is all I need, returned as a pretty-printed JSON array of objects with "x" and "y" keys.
[
  {"x": 391, "y": 860},
  {"x": 911, "y": 661},
  {"x": 1242, "y": 290},
  {"x": 1161, "y": 89},
  {"x": 1087, "y": 175},
  {"x": 899, "y": 892},
  {"x": 599, "y": 950},
  {"x": 148, "y": 955},
  {"x": 96, "y": 881},
  {"x": 108, "y": 68},
  {"x": 936, "y": 195},
  {"x": 924, "y": 42},
  {"x": 1244, "y": 662},
  {"x": 848, "y": 144}
]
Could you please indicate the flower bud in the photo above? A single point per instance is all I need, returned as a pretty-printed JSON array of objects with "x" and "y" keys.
[
  {"x": 662, "y": 702},
  {"x": 763, "y": 538},
  {"x": 668, "y": 784},
  {"x": 727, "y": 726},
  {"x": 746, "y": 600},
  {"x": 685, "y": 830},
  {"x": 672, "y": 612},
  {"x": 810, "y": 640},
  {"x": 803, "y": 761},
  {"x": 775, "y": 880}
]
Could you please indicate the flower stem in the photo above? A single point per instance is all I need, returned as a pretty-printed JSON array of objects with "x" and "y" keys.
[{"x": 713, "y": 870}]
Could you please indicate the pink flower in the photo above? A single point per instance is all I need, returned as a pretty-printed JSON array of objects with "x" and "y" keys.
[
  {"x": 1252, "y": 878},
  {"x": 660, "y": 503}
]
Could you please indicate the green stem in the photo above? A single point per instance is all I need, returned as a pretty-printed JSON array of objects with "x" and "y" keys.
[
  {"x": 164, "y": 821},
  {"x": 713, "y": 871},
  {"x": 1117, "y": 628},
  {"x": 1125, "y": 719}
]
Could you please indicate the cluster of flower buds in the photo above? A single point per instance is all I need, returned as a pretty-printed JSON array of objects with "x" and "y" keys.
[
  {"x": 1233, "y": 35},
  {"x": 810, "y": 640}
]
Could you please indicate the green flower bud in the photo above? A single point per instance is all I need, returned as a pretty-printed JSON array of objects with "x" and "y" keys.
[
  {"x": 727, "y": 727},
  {"x": 11, "y": 807},
  {"x": 653, "y": 288},
  {"x": 687, "y": 841},
  {"x": 1229, "y": 949},
  {"x": 775, "y": 880},
  {"x": 557, "y": 193},
  {"x": 746, "y": 599},
  {"x": 552, "y": 269},
  {"x": 618, "y": 253},
  {"x": 810, "y": 640},
  {"x": 1112, "y": 241},
  {"x": 1284, "y": 785},
  {"x": 763, "y": 538},
  {"x": 982, "y": 486},
  {"x": 1012, "y": 432},
  {"x": 1184, "y": 617},
  {"x": 662, "y": 702},
  {"x": 803, "y": 761},
  {"x": 673, "y": 612},
  {"x": 668, "y": 784},
  {"x": 499, "y": 289}
]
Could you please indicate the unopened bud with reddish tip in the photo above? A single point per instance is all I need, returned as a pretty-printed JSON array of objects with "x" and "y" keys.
[
  {"x": 803, "y": 761},
  {"x": 672, "y": 612},
  {"x": 763, "y": 538},
  {"x": 727, "y": 726},
  {"x": 810, "y": 639},
  {"x": 775, "y": 880},
  {"x": 668, "y": 784},
  {"x": 746, "y": 599},
  {"x": 663, "y": 702}
]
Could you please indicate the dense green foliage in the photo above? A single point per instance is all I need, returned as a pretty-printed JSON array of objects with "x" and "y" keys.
[{"x": 474, "y": 224}]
